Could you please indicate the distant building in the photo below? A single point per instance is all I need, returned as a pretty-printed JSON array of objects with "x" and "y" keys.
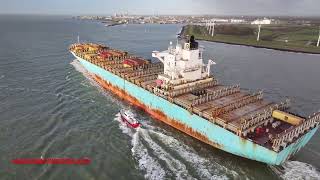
[
  {"x": 220, "y": 20},
  {"x": 237, "y": 20},
  {"x": 262, "y": 21}
]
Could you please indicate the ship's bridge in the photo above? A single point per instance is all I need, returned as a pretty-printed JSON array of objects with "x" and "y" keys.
[{"x": 182, "y": 63}]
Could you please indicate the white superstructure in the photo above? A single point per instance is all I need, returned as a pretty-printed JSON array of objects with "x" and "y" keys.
[{"x": 183, "y": 63}]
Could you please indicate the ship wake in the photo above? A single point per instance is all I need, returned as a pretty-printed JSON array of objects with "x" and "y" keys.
[
  {"x": 75, "y": 63},
  {"x": 295, "y": 170},
  {"x": 161, "y": 156}
]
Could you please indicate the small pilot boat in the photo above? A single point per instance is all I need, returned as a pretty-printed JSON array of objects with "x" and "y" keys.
[{"x": 128, "y": 118}]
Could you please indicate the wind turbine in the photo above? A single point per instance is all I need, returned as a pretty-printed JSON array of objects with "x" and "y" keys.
[
  {"x": 258, "y": 37},
  {"x": 212, "y": 30},
  {"x": 318, "y": 38}
]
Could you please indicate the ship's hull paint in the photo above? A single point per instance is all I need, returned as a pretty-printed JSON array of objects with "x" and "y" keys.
[{"x": 191, "y": 124}]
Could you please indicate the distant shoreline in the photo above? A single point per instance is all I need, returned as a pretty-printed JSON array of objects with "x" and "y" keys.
[
  {"x": 183, "y": 32},
  {"x": 261, "y": 47}
]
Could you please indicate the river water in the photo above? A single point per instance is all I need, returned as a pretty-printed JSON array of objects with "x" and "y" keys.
[{"x": 49, "y": 107}]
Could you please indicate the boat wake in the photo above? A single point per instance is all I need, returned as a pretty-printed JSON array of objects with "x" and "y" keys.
[
  {"x": 146, "y": 163},
  {"x": 161, "y": 156},
  {"x": 76, "y": 64},
  {"x": 295, "y": 170}
]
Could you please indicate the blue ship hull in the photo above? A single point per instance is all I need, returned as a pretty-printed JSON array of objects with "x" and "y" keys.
[{"x": 195, "y": 125}]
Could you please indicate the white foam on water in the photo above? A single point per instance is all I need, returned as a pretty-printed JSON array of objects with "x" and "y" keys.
[
  {"x": 148, "y": 125},
  {"x": 67, "y": 78},
  {"x": 154, "y": 170},
  {"x": 176, "y": 167},
  {"x": 2, "y": 76},
  {"x": 295, "y": 170},
  {"x": 85, "y": 84},
  {"x": 82, "y": 70},
  {"x": 206, "y": 169},
  {"x": 146, "y": 163},
  {"x": 76, "y": 64}
]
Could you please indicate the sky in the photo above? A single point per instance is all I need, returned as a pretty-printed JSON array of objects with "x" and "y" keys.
[{"x": 162, "y": 7}]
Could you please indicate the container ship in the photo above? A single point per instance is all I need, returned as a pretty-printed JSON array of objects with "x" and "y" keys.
[{"x": 181, "y": 91}]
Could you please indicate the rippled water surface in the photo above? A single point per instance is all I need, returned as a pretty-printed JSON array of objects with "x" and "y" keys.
[{"x": 49, "y": 106}]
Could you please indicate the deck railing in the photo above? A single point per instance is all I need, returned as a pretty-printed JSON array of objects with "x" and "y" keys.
[
  {"x": 289, "y": 135},
  {"x": 249, "y": 124},
  {"x": 215, "y": 95}
]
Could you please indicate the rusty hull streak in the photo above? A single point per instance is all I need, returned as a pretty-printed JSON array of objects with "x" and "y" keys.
[{"x": 157, "y": 114}]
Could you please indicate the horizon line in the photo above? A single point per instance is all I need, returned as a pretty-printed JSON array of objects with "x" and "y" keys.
[{"x": 102, "y": 14}]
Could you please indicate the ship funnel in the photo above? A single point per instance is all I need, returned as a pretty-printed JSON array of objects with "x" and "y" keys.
[{"x": 193, "y": 43}]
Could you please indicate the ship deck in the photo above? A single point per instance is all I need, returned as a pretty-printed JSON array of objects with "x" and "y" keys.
[{"x": 230, "y": 120}]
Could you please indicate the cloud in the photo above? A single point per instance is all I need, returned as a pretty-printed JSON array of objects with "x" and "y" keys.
[
  {"x": 261, "y": 7},
  {"x": 217, "y": 7}
]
